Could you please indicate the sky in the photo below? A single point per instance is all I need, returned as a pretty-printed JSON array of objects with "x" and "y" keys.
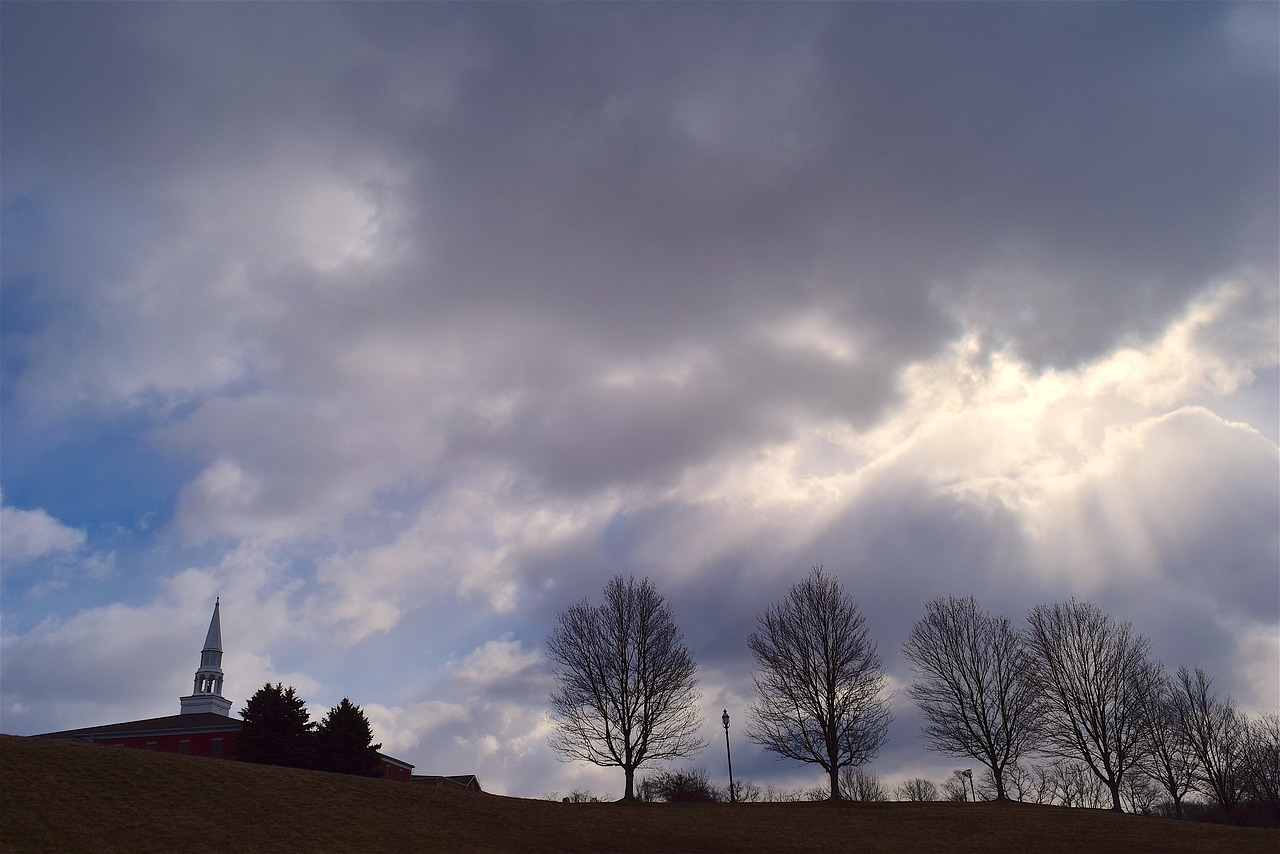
[{"x": 403, "y": 327}]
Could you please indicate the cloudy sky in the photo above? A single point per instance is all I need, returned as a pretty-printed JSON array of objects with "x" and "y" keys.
[{"x": 402, "y": 327}]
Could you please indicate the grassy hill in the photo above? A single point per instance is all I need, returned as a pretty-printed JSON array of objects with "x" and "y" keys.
[{"x": 58, "y": 796}]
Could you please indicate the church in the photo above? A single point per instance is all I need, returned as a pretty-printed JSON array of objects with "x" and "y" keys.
[{"x": 203, "y": 726}]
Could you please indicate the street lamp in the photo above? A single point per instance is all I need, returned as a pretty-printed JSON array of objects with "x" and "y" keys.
[
  {"x": 724, "y": 718},
  {"x": 968, "y": 772}
]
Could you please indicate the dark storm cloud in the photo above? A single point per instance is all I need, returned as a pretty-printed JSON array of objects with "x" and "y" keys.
[
  {"x": 637, "y": 177},
  {"x": 649, "y": 428},
  {"x": 1071, "y": 144}
]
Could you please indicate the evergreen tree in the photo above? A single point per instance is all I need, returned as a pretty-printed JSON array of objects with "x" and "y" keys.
[
  {"x": 277, "y": 729},
  {"x": 344, "y": 742}
]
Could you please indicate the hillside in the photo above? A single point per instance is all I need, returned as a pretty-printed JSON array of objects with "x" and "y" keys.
[{"x": 57, "y": 796}]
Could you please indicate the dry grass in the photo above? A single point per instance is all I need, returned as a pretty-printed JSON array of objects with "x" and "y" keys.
[{"x": 57, "y": 796}]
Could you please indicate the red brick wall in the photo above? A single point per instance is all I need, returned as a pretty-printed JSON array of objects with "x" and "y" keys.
[
  {"x": 198, "y": 743},
  {"x": 394, "y": 772}
]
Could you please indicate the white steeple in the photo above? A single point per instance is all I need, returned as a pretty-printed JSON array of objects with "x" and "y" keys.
[{"x": 207, "y": 696}]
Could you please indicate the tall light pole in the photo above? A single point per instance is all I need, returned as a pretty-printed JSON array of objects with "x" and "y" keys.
[
  {"x": 968, "y": 773},
  {"x": 724, "y": 718}
]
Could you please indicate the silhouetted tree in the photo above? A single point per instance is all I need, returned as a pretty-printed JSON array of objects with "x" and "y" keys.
[
  {"x": 1216, "y": 733},
  {"x": 1167, "y": 758},
  {"x": 1140, "y": 792},
  {"x": 680, "y": 787},
  {"x": 776, "y": 794},
  {"x": 1074, "y": 784},
  {"x": 917, "y": 789},
  {"x": 819, "y": 678},
  {"x": 971, "y": 686},
  {"x": 1262, "y": 762},
  {"x": 626, "y": 691},
  {"x": 344, "y": 742},
  {"x": 1037, "y": 783},
  {"x": 1093, "y": 679},
  {"x": 955, "y": 788},
  {"x": 859, "y": 784},
  {"x": 277, "y": 729}
]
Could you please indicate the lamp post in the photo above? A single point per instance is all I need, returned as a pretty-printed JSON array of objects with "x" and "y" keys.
[
  {"x": 724, "y": 718},
  {"x": 968, "y": 773}
]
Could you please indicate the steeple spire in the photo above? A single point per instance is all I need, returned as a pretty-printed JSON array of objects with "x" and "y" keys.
[
  {"x": 213, "y": 640},
  {"x": 206, "y": 695}
]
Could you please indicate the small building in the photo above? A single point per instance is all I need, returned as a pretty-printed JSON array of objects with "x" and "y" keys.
[
  {"x": 461, "y": 782},
  {"x": 204, "y": 726}
]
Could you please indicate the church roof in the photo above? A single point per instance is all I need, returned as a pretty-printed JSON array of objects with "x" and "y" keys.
[
  {"x": 197, "y": 722},
  {"x": 213, "y": 640}
]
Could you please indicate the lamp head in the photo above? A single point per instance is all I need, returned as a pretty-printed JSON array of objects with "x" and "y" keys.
[{"x": 724, "y": 718}]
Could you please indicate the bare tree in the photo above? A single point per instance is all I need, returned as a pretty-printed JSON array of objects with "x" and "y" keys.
[
  {"x": 746, "y": 792},
  {"x": 1093, "y": 676},
  {"x": 1067, "y": 783},
  {"x": 955, "y": 787},
  {"x": 971, "y": 686},
  {"x": 1017, "y": 780},
  {"x": 1140, "y": 792},
  {"x": 1216, "y": 733},
  {"x": 819, "y": 678},
  {"x": 1075, "y": 785},
  {"x": 775, "y": 794},
  {"x": 856, "y": 784},
  {"x": 1168, "y": 758},
  {"x": 917, "y": 789},
  {"x": 1262, "y": 762},
  {"x": 691, "y": 785},
  {"x": 626, "y": 691},
  {"x": 1035, "y": 783}
]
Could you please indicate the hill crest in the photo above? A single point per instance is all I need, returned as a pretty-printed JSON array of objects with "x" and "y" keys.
[{"x": 71, "y": 797}]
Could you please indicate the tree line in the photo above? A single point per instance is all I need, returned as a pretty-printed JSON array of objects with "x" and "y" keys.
[
  {"x": 626, "y": 685},
  {"x": 277, "y": 730},
  {"x": 1076, "y": 693},
  {"x": 1069, "y": 708}
]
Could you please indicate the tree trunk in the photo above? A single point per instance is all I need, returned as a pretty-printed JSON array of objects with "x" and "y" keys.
[
  {"x": 1115, "y": 797},
  {"x": 835, "y": 784},
  {"x": 631, "y": 784}
]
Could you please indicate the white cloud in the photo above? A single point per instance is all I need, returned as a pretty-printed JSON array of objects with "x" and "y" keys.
[
  {"x": 29, "y": 534},
  {"x": 497, "y": 663},
  {"x": 466, "y": 544},
  {"x": 43, "y": 557}
]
